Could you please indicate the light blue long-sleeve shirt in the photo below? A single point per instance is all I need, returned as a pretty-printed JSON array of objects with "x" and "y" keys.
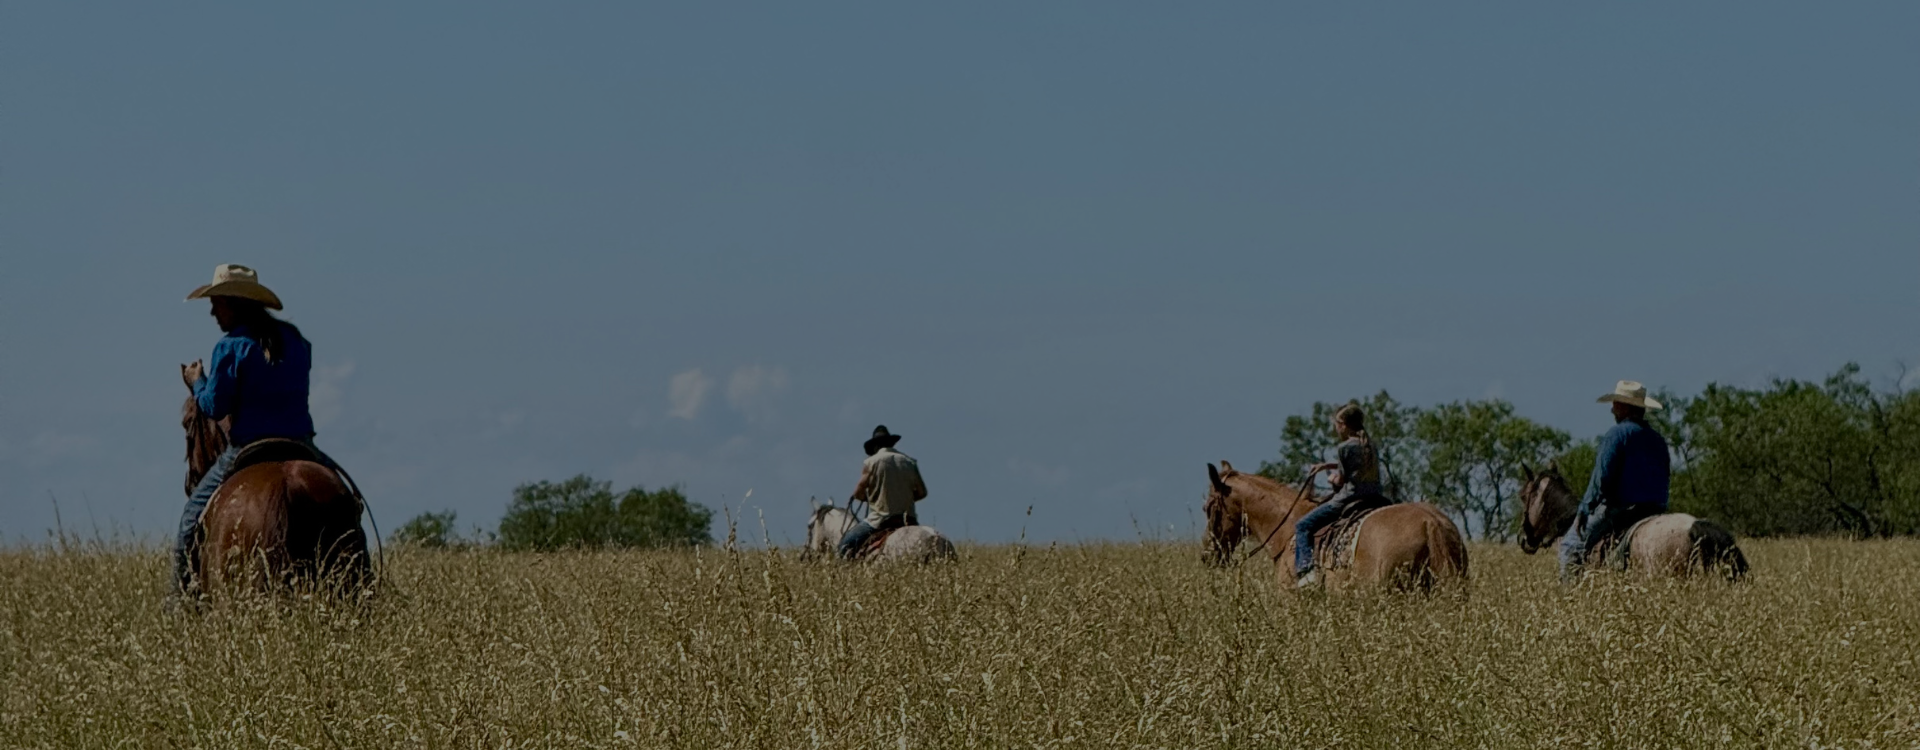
[{"x": 1632, "y": 468}]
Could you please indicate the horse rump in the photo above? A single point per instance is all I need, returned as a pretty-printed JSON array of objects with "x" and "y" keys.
[
  {"x": 1713, "y": 549},
  {"x": 285, "y": 523}
]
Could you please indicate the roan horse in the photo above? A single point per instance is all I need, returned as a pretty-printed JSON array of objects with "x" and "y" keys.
[
  {"x": 1407, "y": 546},
  {"x": 909, "y": 543},
  {"x": 1673, "y": 544},
  {"x": 276, "y": 521}
]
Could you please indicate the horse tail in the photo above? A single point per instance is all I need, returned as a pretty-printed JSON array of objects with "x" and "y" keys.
[
  {"x": 1715, "y": 549},
  {"x": 1445, "y": 553}
]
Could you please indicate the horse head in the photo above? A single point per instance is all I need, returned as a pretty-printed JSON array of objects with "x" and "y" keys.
[
  {"x": 1547, "y": 507},
  {"x": 817, "y": 533},
  {"x": 205, "y": 440},
  {"x": 1226, "y": 520}
]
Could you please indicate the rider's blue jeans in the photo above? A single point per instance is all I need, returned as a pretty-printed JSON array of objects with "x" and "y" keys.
[
  {"x": 1309, "y": 525},
  {"x": 189, "y": 533}
]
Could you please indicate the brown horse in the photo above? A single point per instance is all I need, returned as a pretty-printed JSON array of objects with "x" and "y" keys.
[
  {"x": 1409, "y": 546},
  {"x": 1674, "y": 544},
  {"x": 278, "y": 519}
]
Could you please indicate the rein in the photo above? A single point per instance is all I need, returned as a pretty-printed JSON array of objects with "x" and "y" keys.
[
  {"x": 1305, "y": 485},
  {"x": 379, "y": 546}
]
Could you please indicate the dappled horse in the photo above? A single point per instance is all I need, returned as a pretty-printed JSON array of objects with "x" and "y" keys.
[
  {"x": 828, "y": 524},
  {"x": 280, "y": 518},
  {"x": 1675, "y": 544},
  {"x": 1410, "y": 546}
]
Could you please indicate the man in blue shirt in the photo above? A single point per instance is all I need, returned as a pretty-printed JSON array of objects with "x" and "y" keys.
[
  {"x": 256, "y": 379},
  {"x": 1629, "y": 482}
]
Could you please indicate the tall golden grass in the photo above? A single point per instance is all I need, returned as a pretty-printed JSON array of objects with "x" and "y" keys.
[{"x": 1103, "y": 645}]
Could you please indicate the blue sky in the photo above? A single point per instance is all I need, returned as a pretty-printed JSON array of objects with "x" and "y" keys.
[{"x": 1072, "y": 252}]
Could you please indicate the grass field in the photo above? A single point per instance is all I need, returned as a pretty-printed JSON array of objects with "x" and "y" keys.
[{"x": 1124, "y": 645}]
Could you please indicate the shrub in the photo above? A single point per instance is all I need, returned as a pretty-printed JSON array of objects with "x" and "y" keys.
[
  {"x": 434, "y": 530},
  {"x": 581, "y": 512}
]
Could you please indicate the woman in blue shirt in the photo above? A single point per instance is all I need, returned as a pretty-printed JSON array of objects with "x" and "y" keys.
[{"x": 256, "y": 379}]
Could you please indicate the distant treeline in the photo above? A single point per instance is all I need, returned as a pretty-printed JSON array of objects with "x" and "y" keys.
[
  {"x": 1796, "y": 457},
  {"x": 578, "y": 513}
]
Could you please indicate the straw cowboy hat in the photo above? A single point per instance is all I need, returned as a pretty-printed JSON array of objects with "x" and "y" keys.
[
  {"x": 231, "y": 280},
  {"x": 1630, "y": 393},
  {"x": 881, "y": 439}
]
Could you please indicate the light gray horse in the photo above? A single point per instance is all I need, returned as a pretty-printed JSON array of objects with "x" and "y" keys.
[{"x": 912, "y": 544}]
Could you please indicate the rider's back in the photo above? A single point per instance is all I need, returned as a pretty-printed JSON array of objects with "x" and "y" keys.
[{"x": 265, "y": 399}]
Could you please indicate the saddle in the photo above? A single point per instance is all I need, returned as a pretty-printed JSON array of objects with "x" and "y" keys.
[
  {"x": 270, "y": 450},
  {"x": 1333, "y": 544},
  {"x": 879, "y": 539}
]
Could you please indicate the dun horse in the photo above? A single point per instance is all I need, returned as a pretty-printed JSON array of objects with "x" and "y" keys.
[
  {"x": 1669, "y": 544},
  {"x": 1409, "y": 546},
  {"x": 909, "y": 543},
  {"x": 278, "y": 519}
]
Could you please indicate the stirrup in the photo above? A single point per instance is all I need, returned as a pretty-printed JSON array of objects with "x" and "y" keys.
[{"x": 1308, "y": 581}]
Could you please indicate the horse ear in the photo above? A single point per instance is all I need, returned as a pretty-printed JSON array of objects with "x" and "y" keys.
[
  {"x": 1213, "y": 475},
  {"x": 1526, "y": 471},
  {"x": 1226, "y": 468},
  {"x": 185, "y": 379},
  {"x": 1553, "y": 465}
]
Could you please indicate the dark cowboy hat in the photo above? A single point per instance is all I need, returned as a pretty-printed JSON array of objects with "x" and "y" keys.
[{"x": 881, "y": 439}]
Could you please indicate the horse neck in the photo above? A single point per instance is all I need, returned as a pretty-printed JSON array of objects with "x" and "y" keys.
[
  {"x": 1560, "y": 505},
  {"x": 829, "y": 527},
  {"x": 205, "y": 443},
  {"x": 1267, "y": 509}
]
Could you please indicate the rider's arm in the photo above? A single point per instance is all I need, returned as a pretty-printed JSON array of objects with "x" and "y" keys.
[
  {"x": 860, "y": 490},
  {"x": 215, "y": 390},
  {"x": 1606, "y": 472},
  {"x": 919, "y": 486}
]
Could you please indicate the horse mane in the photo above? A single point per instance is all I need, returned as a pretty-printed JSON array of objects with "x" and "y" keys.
[
  {"x": 1274, "y": 489},
  {"x": 205, "y": 441}
]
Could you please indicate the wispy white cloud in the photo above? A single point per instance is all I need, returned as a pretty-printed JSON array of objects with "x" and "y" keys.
[
  {"x": 328, "y": 396},
  {"x": 687, "y": 393},
  {"x": 753, "y": 390}
]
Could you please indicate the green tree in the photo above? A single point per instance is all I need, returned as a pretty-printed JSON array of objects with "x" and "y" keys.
[
  {"x": 1472, "y": 466},
  {"x": 1800, "y": 457},
  {"x": 433, "y": 530},
  {"x": 581, "y": 512}
]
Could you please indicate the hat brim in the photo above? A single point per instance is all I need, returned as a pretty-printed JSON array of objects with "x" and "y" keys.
[
  {"x": 1642, "y": 402},
  {"x": 242, "y": 289},
  {"x": 881, "y": 442}
]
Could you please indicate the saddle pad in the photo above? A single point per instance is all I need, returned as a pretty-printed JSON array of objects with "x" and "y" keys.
[
  {"x": 879, "y": 539},
  {"x": 875, "y": 542},
  {"x": 1333, "y": 546}
]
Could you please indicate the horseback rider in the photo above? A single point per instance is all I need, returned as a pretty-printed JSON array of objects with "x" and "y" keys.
[
  {"x": 1630, "y": 475},
  {"x": 256, "y": 380},
  {"x": 890, "y": 484},
  {"x": 1356, "y": 477}
]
